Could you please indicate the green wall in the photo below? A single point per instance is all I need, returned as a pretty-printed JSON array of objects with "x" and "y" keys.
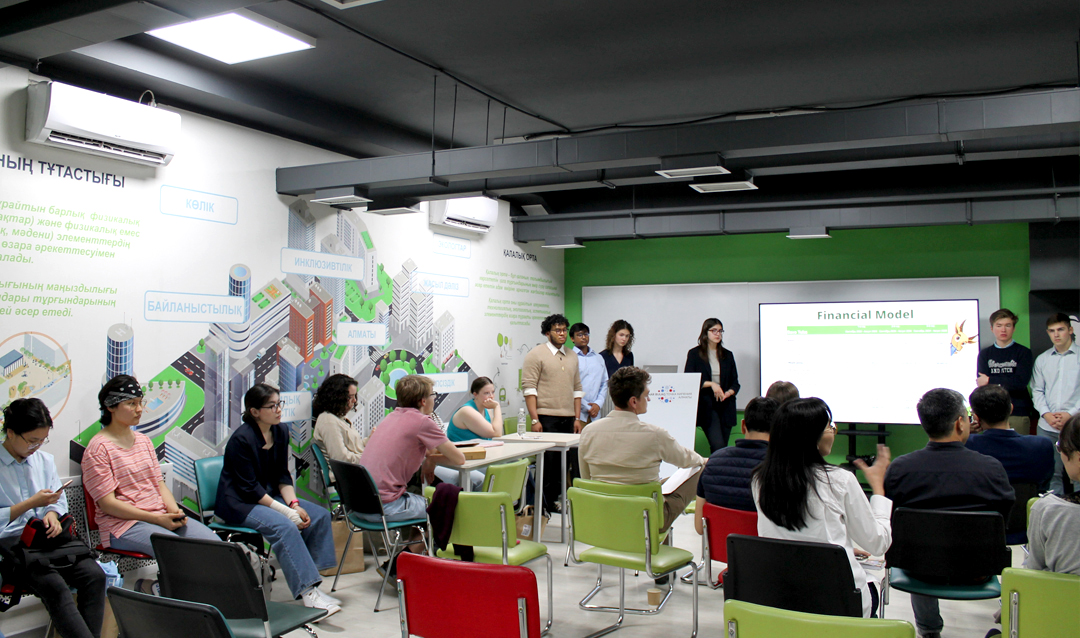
[{"x": 938, "y": 251}]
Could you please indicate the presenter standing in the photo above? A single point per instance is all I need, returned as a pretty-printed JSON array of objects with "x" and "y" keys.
[
  {"x": 719, "y": 383},
  {"x": 620, "y": 338}
]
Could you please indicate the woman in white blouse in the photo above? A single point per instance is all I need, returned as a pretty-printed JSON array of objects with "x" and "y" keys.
[
  {"x": 800, "y": 497},
  {"x": 334, "y": 434}
]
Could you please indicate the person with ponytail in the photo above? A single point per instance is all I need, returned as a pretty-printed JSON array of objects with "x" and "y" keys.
[{"x": 800, "y": 497}]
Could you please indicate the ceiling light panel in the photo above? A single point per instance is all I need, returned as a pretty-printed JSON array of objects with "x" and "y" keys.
[
  {"x": 724, "y": 187},
  {"x": 235, "y": 37},
  {"x": 699, "y": 171}
]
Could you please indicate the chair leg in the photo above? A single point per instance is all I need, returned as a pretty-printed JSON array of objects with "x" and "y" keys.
[
  {"x": 583, "y": 604},
  {"x": 391, "y": 550},
  {"x": 310, "y": 631},
  {"x": 621, "y": 609},
  {"x": 693, "y": 634},
  {"x": 341, "y": 562}
]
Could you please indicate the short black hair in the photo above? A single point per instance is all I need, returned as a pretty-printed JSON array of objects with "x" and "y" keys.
[
  {"x": 1059, "y": 317},
  {"x": 551, "y": 321},
  {"x": 990, "y": 403},
  {"x": 759, "y": 414},
  {"x": 578, "y": 327},
  {"x": 333, "y": 396},
  {"x": 938, "y": 409},
  {"x": 625, "y": 383},
  {"x": 26, "y": 415},
  {"x": 255, "y": 398}
]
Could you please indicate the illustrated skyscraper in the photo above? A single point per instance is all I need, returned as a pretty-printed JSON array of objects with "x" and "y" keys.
[
  {"x": 240, "y": 282},
  {"x": 216, "y": 390},
  {"x": 335, "y": 285},
  {"x": 119, "y": 351},
  {"x": 443, "y": 345},
  {"x": 370, "y": 406},
  {"x": 301, "y": 230},
  {"x": 302, "y": 327},
  {"x": 423, "y": 308},
  {"x": 290, "y": 365},
  {"x": 401, "y": 312},
  {"x": 323, "y": 305}
]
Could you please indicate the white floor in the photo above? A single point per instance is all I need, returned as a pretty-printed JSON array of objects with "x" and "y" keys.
[{"x": 358, "y": 592}]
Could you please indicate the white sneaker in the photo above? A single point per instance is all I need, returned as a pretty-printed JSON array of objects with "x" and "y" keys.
[
  {"x": 313, "y": 600},
  {"x": 328, "y": 598}
]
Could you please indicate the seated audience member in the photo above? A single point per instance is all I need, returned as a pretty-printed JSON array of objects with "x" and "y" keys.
[
  {"x": 782, "y": 392},
  {"x": 121, "y": 473},
  {"x": 1026, "y": 459},
  {"x": 256, "y": 491},
  {"x": 725, "y": 480},
  {"x": 621, "y": 448},
  {"x": 480, "y": 418},
  {"x": 1054, "y": 527},
  {"x": 802, "y": 498},
  {"x": 335, "y": 434},
  {"x": 399, "y": 446},
  {"x": 946, "y": 475},
  {"x": 31, "y": 488}
]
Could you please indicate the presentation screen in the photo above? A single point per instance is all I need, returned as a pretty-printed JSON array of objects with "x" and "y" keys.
[{"x": 870, "y": 361}]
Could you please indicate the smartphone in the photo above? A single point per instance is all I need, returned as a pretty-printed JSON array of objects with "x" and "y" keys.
[{"x": 64, "y": 486}]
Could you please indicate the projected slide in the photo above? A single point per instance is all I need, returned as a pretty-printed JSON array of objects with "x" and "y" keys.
[{"x": 871, "y": 361}]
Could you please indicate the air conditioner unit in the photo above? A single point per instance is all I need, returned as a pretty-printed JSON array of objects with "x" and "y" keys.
[
  {"x": 476, "y": 214},
  {"x": 68, "y": 117}
]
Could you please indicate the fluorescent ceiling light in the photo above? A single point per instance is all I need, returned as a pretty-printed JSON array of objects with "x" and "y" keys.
[
  {"x": 562, "y": 243},
  {"x": 696, "y": 171},
  {"x": 725, "y": 187},
  {"x": 686, "y": 166},
  {"x": 809, "y": 232},
  {"x": 235, "y": 37}
]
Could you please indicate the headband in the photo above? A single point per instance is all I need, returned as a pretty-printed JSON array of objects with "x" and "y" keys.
[{"x": 126, "y": 392}]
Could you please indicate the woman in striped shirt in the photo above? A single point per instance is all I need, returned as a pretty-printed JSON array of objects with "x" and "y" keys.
[{"x": 121, "y": 473}]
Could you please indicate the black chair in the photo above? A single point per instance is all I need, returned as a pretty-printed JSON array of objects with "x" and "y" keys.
[
  {"x": 1016, "y": 526},
  {"x": 219, "y": 574},
  {"x": 814, "y": 578},
  {"x": 359, "y": 495},
  {"x": 944, "y": 554},
  {"x": 144, "y": 616}
]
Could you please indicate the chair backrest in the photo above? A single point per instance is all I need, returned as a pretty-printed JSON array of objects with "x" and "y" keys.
[
  {"x": 650, "y": 490},
  {"x": 1038, "y": 603},
  {"x": 747, "y": 620},
  {"x": 723, "y": 521},
  {"x": 507, "y": 477},
  {"x": 324, "y": 468},
  {"x": 356, "y": 488},
  {"x": 760, "y": 572},
  {"x": 439, "y": 598},
  {"x": 479, "y": 521},
  {"x": 91, "y": 511},
  {"x": 1016, "y": 526},
  {"x": 207, "y": 477},
  {"x": 144, "y": 616},
  {"x": 613, "y": 522},
  {"x": 940, "y": 546},
  {"x": 209, "y": 572}
]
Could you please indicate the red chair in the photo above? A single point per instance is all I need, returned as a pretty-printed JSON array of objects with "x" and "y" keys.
[
  {"x": 717, "y": 522},
  {"x": 91, "y": 526},
  {"x": 438, "y": 598}
]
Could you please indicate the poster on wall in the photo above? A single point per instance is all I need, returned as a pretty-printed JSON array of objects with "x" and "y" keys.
[{"x": 201, "y": 281}]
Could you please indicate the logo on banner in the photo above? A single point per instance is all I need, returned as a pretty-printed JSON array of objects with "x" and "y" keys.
[{"x": 667, "y": 394}]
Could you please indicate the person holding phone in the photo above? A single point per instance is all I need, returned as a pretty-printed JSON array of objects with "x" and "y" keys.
[
  {"x": 121, "y": 473},
  {"x": 30, "y": 488}
]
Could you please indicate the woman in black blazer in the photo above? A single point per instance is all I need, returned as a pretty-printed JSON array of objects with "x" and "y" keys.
[{"x": 716, "y": 399}]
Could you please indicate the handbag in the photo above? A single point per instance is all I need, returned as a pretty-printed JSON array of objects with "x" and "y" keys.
[
  {"x": 34, "y": 547},
  {"x": 525, "y": 522}
]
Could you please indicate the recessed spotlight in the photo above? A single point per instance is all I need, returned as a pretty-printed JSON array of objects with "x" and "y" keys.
[{"x": 235, "y": 37}]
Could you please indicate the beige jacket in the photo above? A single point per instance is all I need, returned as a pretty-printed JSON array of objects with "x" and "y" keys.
[
  {"x": 620, "y": 448},
  {"x": 337, "y": 439},
  {"x": 551, "y": 375}
]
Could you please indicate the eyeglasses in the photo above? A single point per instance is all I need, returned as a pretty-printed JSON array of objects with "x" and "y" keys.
[
  {"x": 581, "y": 334},
  {"x": 559, "y": 331},
  {"x": 831, "y": 427},
  {"x": 274, "y": 406},
  {"x": 716, "y": 331},
  {"x": 141, "y": 403},
  {"x": 34, "y": 446}
]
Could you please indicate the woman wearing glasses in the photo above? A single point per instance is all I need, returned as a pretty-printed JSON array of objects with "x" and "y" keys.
[
  {"x": 802, "y": 498},
  {"x": 719, "y": 383},
  {"x": 121, "y": 473},
  {"x": 256, "y": 491}
]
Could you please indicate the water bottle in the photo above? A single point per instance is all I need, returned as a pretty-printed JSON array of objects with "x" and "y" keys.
[{"x": 521, "y": 422}]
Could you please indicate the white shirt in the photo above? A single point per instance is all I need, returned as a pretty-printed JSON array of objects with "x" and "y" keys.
[
  {"x": 1055, "y": 383},
  {"x": 839, "y": 514}
]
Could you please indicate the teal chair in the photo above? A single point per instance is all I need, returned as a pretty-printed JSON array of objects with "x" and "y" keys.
[
  {"x": 485, "y": 521},
  {"x": 1040, "y": 604},
  {"x": 207, "y": 477},
  {"x": 145, "y": 616},
  {"x": 747, "y": 620},
  {"x": 332, "y": 496},
  {"x": 624, "y": 532}
]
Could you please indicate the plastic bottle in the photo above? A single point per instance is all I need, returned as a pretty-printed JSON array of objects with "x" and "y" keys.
[{"x": 521, "y": 422}]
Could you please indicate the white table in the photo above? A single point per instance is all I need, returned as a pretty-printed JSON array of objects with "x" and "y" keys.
[
  {"x": 563, "y": 442},
  {"x": 502, "y": 454}
]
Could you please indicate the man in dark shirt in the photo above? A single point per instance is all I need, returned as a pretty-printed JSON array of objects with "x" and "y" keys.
[
  {"x": 946, "y": 475},
  {"x": 725, "y": 481},
  {"x": 1026, "y": 459},
  {"x": 1009, "y": 365}
]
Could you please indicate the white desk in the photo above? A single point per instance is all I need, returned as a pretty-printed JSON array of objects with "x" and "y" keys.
[
  {"x": 559, "y": 440},
  {"x": 502, "y": 454}
]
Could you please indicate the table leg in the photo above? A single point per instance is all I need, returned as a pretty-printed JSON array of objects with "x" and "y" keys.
[
  {"x": 465, "y": 480},
  {"x": 538, "y": 496},
  {"x": 562, "y": 510}
]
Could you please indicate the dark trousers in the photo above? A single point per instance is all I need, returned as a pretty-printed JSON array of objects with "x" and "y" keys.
[
  {"x": 51, "y": 586},
  {"x": 717, "y": 434},
  {"x": 553, "y": 460}
]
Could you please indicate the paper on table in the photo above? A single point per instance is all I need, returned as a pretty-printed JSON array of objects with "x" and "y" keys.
[
  {"x": 490, "y": 443},
  {"x": 679, "y": 477}
]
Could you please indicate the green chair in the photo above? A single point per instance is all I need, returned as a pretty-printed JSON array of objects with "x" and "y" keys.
[
  {"x": 651, "y": 490},
  {"x": 324, "y": 470},
  {"x": 494, "y": 543},
  {"x": 207, "y": 477},
  {"x": 509, "y": 478},
  {"x": 1038, "y": 603},
  {"x": 613, "y": 525},
  {"x": 747, "y": 620}
]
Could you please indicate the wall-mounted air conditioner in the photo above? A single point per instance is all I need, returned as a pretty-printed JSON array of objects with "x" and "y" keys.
[
  {"x": 476, "y": 214},
  {"x": 68, "y": 117}
]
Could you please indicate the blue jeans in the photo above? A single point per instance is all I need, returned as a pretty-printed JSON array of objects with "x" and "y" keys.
[
  {"x": 301, "y": 552},
  {"x": 407, "y": 507},
  {"x": 448, "y": 475},
  {"x": 1057, "y": 483},
  {"x": 927, "y": 614},
  {"x": 137, "y": 538}
]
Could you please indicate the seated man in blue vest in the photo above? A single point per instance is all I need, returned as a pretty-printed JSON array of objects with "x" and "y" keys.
[
  {"x": 725, "y": 481},
  {"x": 1026, "y": 459}
]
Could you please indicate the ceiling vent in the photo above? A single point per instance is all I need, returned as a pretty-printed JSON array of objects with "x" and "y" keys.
[
  {"x": 344, "y": 197},
  {"x": 348, "y": 4}
]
